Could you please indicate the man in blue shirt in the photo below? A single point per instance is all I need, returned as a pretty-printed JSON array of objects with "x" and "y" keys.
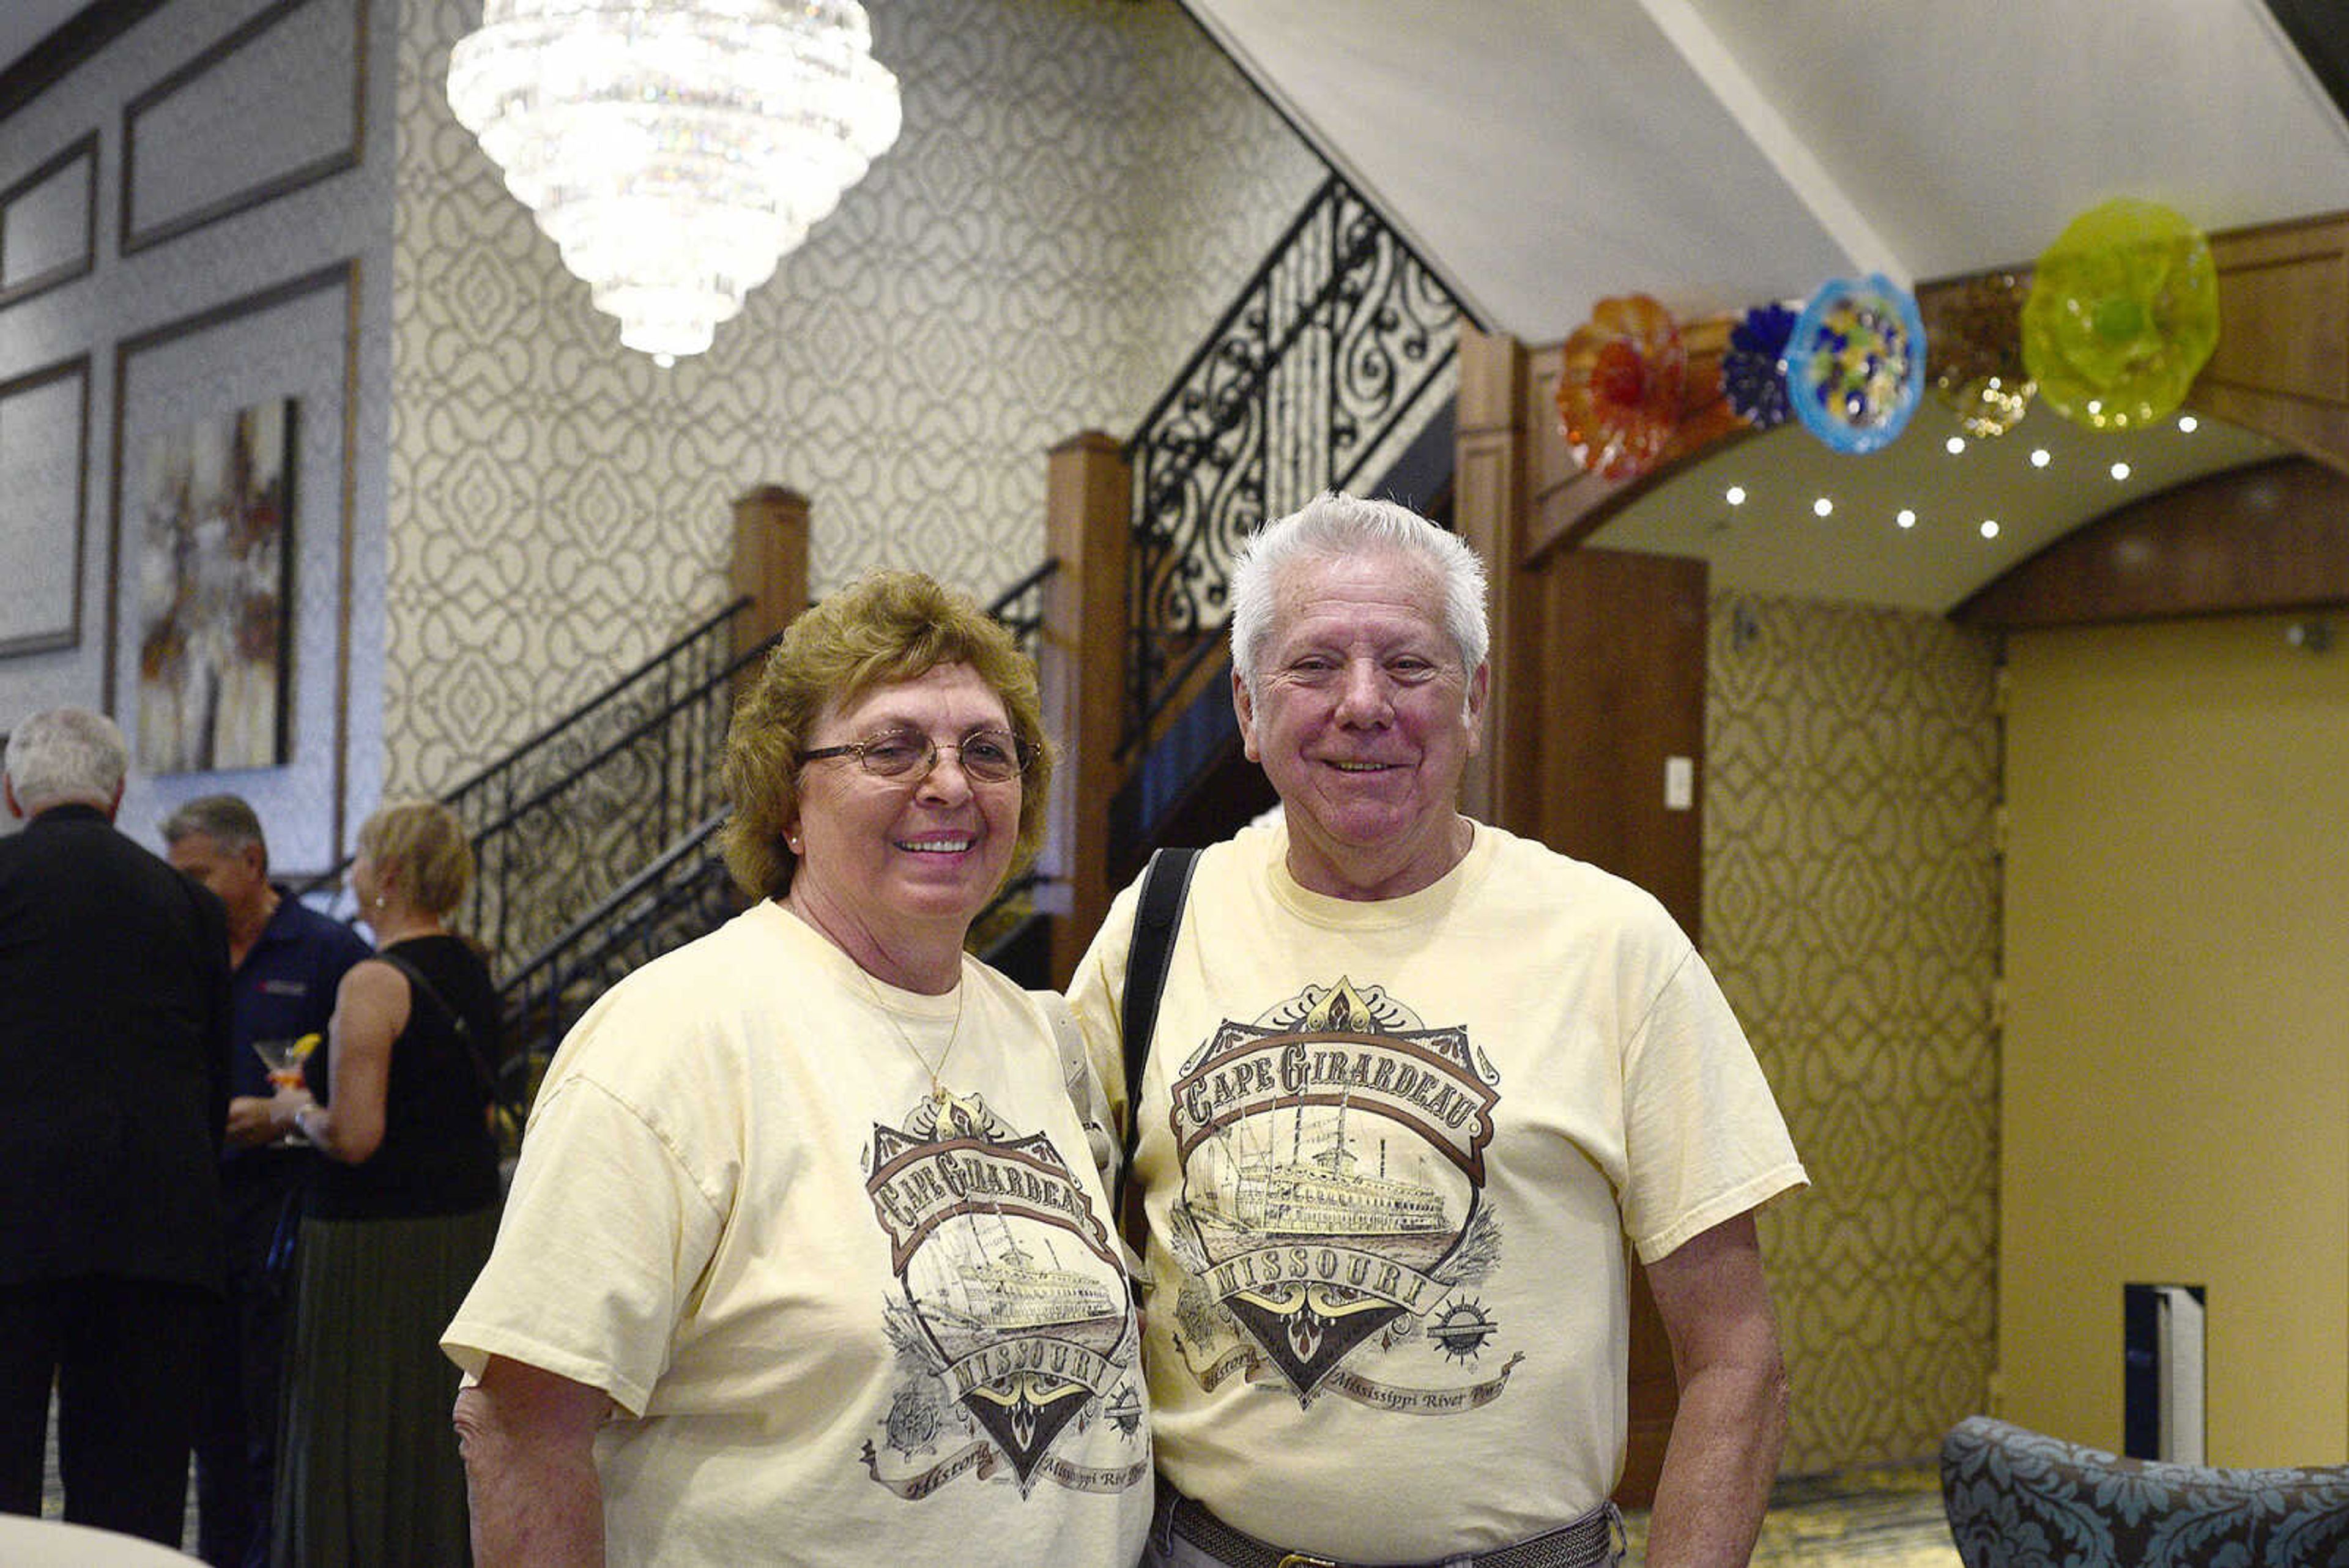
[{"x": 287, "y": 959}]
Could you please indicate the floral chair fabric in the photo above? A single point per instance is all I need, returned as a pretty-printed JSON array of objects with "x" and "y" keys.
[{"x": 2017, "y": 1499}]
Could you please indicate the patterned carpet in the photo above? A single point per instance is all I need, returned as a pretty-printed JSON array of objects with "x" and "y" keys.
[{"x": 1883, "y": 1518}]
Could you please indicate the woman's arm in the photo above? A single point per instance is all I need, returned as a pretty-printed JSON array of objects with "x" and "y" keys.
[
  {"x": 528, "y": 1437},
  {"x": 371, "y": 1008}
]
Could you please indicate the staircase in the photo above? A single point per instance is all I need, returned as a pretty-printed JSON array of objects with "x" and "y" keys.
[
  {"x": 597, "y": 838},
  {"x": 1329, "y": 370},
  {"x": 615, "y": 783},
  {"x": 1322, "y": 375}
]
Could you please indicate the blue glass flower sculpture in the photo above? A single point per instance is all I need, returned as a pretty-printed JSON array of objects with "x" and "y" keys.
[
  {"x": 1754, "y": 369},
  {"x": 1855, "y": 363}
]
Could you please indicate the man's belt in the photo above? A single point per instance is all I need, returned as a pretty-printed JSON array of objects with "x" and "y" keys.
[{"x": 1588, "y": 1541}]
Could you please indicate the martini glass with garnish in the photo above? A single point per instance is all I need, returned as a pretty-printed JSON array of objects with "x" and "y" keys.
[{"x": 282, "y": 1060}]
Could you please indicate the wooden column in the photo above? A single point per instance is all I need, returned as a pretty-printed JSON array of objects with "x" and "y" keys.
[
  {"x": 1488, "y": 500},
  {"x": 771, "y": 561},
  {"x": 1088, "y": 529}
]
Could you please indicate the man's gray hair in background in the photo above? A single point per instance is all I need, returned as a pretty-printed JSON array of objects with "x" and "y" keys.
[
  {"x": 66, "y": 755},
  {"x": 228, "y": 820},
  {"x": 1332, "y": 526}
]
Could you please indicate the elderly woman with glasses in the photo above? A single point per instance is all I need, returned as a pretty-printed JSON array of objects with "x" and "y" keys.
[{"x": 807, "y": 1260}]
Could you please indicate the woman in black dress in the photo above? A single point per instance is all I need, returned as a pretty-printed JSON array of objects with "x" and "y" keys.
[{"x": 400, "y": 1219}]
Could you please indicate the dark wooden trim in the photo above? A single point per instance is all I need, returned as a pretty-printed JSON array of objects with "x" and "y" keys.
[
  {"x": 1488, "y": 461},
  {"x": 2272, "y": 536},
  {"x": 90, "y": 29},
  {"x": 347, "y": 157},
  {"x": 1080, "y": 657},
  {"x": 343, "y": 275},
  {"x": 1620, "y": 689},
  {"x": 64, "y": 272},
  {"x": 770, "y": 568},
  {"x": 71, "y": 636}
]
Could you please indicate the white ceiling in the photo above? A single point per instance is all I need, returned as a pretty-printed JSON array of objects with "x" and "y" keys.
[
  {"x": 1542, "y": 154},
  {"x": 1717, "y": 153}
]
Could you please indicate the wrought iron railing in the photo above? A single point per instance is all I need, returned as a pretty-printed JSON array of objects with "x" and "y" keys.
[
  {"x": 1330, "y": 346},
  {"x": 685, "y": 892},
  {"x": 569, "y": 812},
  {"x": 561, "y": 820},
  {"x": 1020, "y": 606}
]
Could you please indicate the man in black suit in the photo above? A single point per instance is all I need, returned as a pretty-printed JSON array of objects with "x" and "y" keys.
[{"x": 114, "y": 1018}]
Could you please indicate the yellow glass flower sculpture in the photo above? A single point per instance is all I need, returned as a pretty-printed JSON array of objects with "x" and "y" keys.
[{"x": 2123, "y": 314}]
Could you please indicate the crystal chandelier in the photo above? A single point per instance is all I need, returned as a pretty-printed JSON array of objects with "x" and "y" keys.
[{"x": 675, "y": 150}]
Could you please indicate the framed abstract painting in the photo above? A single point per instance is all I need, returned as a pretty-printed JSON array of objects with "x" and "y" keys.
[{"x": 212, "y": 535}]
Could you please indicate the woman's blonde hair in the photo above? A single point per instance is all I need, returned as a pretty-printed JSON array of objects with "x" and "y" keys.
[
  {"x": 885, "y": 627},
  {"x": 426, "y": 842}
]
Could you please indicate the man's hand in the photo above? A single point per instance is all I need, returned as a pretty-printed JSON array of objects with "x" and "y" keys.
[{"x": 249, "y": 1123}]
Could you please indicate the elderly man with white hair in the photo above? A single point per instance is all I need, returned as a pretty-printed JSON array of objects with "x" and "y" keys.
[
  {"x": 113, "y": 1048},
  {"x": 1415, "y": 1091}
]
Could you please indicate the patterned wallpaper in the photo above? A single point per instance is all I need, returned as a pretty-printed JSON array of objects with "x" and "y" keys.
[
  {"x": 227, "y": 116},
  {"x": 1080, "y": 188},
  {"x": 1851, "y": 913}
]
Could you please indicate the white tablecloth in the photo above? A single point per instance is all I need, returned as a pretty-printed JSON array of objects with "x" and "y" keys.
[{"x": 47, "y": 1544}]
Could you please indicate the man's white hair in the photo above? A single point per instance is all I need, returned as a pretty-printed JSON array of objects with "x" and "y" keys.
[
  {"x": 1332, "y": 526},
  {"x": 66, "y": 755}
]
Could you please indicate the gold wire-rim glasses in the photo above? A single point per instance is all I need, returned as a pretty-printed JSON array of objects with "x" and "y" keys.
[{"x": 988, "y": 756}]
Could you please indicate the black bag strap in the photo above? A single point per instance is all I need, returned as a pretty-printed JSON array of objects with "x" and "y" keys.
[
  {"x": 1166, "y": 885},
  {"x": 482, "y": 1070}
]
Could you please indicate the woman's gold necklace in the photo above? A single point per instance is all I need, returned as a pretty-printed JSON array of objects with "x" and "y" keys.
[{"x": 938, "y": 1089}]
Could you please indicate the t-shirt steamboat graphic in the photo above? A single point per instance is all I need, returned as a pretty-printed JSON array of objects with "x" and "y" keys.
[
  {"x": 1014, "y": 1325},
  {"x": 1332, "y": 1224}
]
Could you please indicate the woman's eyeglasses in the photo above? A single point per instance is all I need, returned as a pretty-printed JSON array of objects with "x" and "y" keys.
[{"x": 990, "y": 756}]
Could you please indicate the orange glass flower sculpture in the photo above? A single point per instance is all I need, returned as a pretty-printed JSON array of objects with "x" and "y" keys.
[
  {"x": 1619, "y": 393},
  {"x": 2123, "y": 313}
]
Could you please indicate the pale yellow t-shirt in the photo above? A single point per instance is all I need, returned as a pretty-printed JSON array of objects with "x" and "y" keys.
[
  {"x": 844, "y": 1324},
  {"x": 1392, "y": 1153}
]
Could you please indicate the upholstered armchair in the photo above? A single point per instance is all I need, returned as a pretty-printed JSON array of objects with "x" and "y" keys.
[{"x": 2017, "y": 1499}]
